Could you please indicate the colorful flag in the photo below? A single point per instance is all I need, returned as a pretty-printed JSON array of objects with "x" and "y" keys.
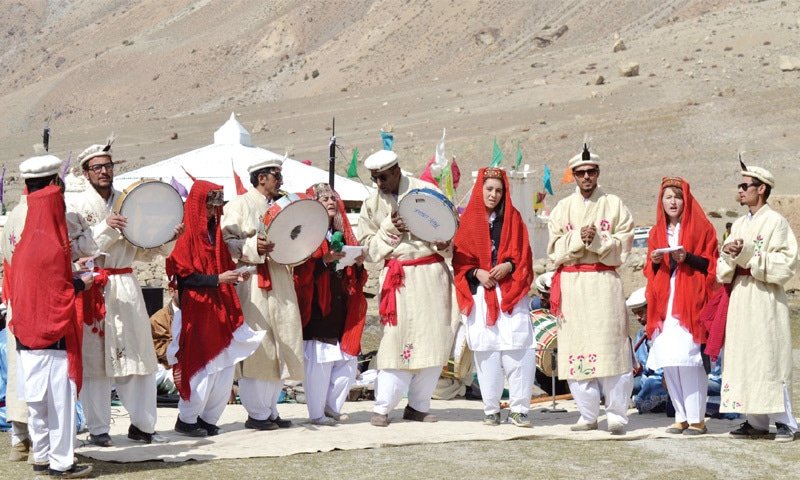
[
  {"x": 65, "y": 169},
  {"x": 538, "y": 201},
  {"x": 447, "y": 182},
  {"x": 455, "y": 172},
  {"x": 497, "y": 155},
  {"x": 546, "y": 180},
  {"x": 237, "y": 180},
  {"x": 427, "y": 174},
  {"x": 179, "y": 187},
  {"x": 388, "y": 140},
  {"x": 352, "y": 170},
  {"x": 519, "y": 157},
  {"x": 567, "y": 178}
]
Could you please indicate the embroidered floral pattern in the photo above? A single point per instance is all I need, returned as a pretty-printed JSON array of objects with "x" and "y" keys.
[
  {"x": 605, "y": 225},
  {"x": 727, "y": 402},
  {"x": 406, "y": 355},
  {"x": 90, "y": 219},
  {"x": 570, "y": 227},
  {"x": 12, "y": 239},
  {"x": 582, "y": 364},
  {"x": 759, "y": 245}
]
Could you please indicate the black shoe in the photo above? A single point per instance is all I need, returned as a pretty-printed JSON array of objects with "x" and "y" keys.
[
  {"x": 784, "y": 433},
  {"x": 75, "y": 471},
  {"x": 41, "y": 467},
  {"x": 212, "y": 429},
  {"x": 281, "y": 423},
  {"x": 746, "y": 430},
  {"x": 190, "y": 429},
  {"x": 139, "y": 436},
  {"x": 254, "y": 424},
  {"x": 102, "y": 440}
]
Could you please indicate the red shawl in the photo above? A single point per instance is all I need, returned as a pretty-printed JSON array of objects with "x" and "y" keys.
[
  {"x": 209, "y": 315},
  {"x": 42, "y": 294},
  {"x": 309, "y": 288},
  {"x": 473, "y": 248},
  {"x": 692, "y": 288}
]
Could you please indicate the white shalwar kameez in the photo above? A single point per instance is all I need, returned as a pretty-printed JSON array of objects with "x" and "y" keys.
[
  {"x": 508, "y": 345},
  {"x": 676, "y": 352},
  {"x": 329, "y": 373}
]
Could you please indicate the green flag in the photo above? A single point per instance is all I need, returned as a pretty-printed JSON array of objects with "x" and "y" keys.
[
  {"x": 519, "y": 157},
  {"x": 497, "y": 155},
  {"x": 352, "y": 170}
]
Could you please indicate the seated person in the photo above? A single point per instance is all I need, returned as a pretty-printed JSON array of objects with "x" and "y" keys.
[
  {"x": 161, "y": 327},
  {"x": 649, "y": 393},
  {"x": 542, "y": 300}
]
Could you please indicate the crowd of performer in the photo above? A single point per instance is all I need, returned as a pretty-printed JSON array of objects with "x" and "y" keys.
[{"x": 78, "y": 323}]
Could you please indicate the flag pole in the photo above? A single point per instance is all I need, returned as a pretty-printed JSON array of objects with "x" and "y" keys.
[{"x": 332, "y": 156}]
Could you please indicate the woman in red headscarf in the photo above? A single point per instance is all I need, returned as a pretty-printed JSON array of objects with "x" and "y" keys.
[
  {"x": 333, "y": 310},
  {"x": 493, "y": 268},
  {"x": 212, "y": 334},
  {"x": 681, "y": 273}
]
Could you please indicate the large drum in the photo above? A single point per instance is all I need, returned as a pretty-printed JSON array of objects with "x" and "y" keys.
[
  {"x": 545, "y": 329},
  {"x": 429, "y": 215},
  {"x": 297, "y": 225},
  {"x": 153, "y": 209}
]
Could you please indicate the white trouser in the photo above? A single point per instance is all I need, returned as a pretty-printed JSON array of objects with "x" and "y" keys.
[
  {"x": 209, "y": 395},
  {"x": 391, "y": 385},
  {"x": 762, "y": 421},
  {"x": 51, "y": 417},
  {"x": 138, "y": 396},
  {"x": 19, "y": 432},
  {"x": 326, "y": 384},
  {"x": 688, "y": 391},
  {"x": 260, "y": 397},
  {"x": 519, "y": 366},
  {"x": 617, "y": 390}
]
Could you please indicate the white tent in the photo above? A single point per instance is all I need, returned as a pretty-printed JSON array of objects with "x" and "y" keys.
[{"x": 232, "y": 144}]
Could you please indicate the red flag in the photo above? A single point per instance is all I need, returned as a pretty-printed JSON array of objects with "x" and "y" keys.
[
  {"x": 238, "y": 181},
  {"x": 427, "y": 175},
  {"x": 456, "y": 172}
]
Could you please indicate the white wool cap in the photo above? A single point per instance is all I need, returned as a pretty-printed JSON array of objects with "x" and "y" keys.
[
  {"x": 274, "y": 162},
  {"x": 578, "y": 161},
  {"x": 637, "y": 299},
  {"x": 543, "y": 282},
  {"x": 96, "y": 150},
  {"x": 38, "y": 167},
  {"x": 381, "y": 160},
  {"x": 762, "y": 174}
]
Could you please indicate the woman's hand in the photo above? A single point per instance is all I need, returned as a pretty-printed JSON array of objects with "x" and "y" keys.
[
  {"x": 678, "y": 255},
  {"x": 486, "y": 279},
  {"x": 231, "y": 276},
  {"x": 332, "y": 256},
  {"x": 656, "y": 257},
  {"x": 500, "y": 271}
]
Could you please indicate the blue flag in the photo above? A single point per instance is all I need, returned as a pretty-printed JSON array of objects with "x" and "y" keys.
[
  {"x": 546, "y": 179},
  {"x": 388, "y": 140}
]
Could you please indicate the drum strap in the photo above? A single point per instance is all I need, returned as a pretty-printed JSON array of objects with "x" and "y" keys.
[
  {"x": 395, "y": 278},
  {"x": 555, "y": 285}
]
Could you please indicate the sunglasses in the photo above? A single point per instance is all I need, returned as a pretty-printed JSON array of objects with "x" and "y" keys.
[
  {"x": 98, "y": 168},
  {"x": 382, "y": 177},
  {"x": 745, "y": 186},
  {"x": 582, "y": 173},
  {"x": 277, "y": 174}
]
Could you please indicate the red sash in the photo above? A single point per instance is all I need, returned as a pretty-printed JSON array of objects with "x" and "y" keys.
[
  {"x": 555, "y": 286},
  {"x": 91, "y": 304},
  {"x": 395, "y": 278}
]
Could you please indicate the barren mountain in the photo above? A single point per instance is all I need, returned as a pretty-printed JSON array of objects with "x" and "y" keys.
[{"x": 710, "y": 82}]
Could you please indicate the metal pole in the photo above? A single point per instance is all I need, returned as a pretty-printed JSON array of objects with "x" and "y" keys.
[{"x": 332, "y": 156}]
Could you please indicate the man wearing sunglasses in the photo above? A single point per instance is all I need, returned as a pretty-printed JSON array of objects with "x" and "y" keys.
[
  {"x": 418, "y": 307},
  {"x": 758, "y": 257},
  {"x": 117, "y": 342},
  {"x": 591, "y": 233},
  {"x": 268, "y": 299}
]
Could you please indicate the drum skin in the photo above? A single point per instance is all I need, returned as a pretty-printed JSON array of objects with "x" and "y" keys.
[
  {"x": 297, "y": 225},
  {"x": 429, "y": 215},
  {"x": 153, "y": 209}
]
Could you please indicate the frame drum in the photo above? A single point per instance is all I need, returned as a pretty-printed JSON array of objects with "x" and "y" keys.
[
  {"x": 297, "y": 225},
  {"x": 153, "y": 209},
  {"x": 545, "y": 330},
  {"x": 429, "y": 215}
]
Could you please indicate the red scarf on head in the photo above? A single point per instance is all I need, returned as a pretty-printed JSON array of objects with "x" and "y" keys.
[
  {"x": 209, "y": 315},
  {"x": 473, "y": 249},
  {"x": 310, "y": 288},
  {"x": 692, "y": 287},
  {"x": 42, "y": 294}
]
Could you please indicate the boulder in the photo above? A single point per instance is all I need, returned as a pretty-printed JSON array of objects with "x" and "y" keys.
[
  {"x": 630, "y": 69},
  {"x": 789, "y": 64},
  {"x": 619, "y": 46}
]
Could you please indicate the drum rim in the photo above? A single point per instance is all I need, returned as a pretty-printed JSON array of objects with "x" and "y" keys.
[
  {"x": 119, "y": 203},
  {"x": 299, "y": 199},
  {"x": 439, "y": 197}
]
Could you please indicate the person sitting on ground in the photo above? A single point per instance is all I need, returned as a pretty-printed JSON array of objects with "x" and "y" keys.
[{"x": 649, "y": 394}]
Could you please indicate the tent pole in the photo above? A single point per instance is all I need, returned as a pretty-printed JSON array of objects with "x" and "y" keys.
[{"x": 332, "y": 156}]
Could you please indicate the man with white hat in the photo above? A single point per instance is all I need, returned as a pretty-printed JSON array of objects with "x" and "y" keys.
[
  {"x": 758, "y": 257},
  {"x": 542, "y": 284},
  {"x": 591, "y": 233},
  {"x": 117, "y": 347},
  {"x": 37, "y": 172},
  {"x": 420, "y": 315},
  {"x": 649, "y": 393},
  {"x": 268, "y": 299}
]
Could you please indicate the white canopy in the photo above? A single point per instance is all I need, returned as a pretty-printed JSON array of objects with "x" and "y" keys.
[{"x": 232, "y": 149}]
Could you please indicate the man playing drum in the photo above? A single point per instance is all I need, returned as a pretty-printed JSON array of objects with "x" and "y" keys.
[
  {"x": 268, "y": 300},
  {"x": 591, "y": 233},
  {"x": 417, "y": 306},
  {"x": 117, "y": 347}
]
